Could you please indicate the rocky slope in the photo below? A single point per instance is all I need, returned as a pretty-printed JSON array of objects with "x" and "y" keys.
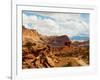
[{"x": 39, "y": 51}]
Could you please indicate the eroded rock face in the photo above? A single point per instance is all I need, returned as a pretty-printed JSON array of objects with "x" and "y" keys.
[
  {"x": 60, "y": 41},
  {"x": 30, "y": 35},
  {"x": 39, "y": 57},
  {"x": 40, "y": 51},
  {"x": 36, "y": 52}
]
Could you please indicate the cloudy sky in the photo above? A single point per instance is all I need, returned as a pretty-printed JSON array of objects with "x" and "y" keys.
[{"x": 75, "y": 25}]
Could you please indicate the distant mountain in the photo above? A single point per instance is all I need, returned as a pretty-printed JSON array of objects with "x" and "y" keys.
[
  {"x": 81, "y": 43},
  {"x": 60, "y": 41}
]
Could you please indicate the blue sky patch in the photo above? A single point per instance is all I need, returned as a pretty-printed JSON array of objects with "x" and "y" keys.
[
  {"x": 85, "y": 17},
  {"x": 39, "y": 16}
]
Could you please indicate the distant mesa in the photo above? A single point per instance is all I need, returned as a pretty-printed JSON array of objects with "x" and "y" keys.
[{"x": 61, "y": 41}]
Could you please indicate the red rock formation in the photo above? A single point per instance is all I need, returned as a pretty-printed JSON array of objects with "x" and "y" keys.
[
  {"x": 60, "y": 41},
  {"x": 40, "y": 51}
]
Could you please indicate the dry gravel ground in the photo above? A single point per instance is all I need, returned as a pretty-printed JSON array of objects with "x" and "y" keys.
[{"x": 70, "y": 61}]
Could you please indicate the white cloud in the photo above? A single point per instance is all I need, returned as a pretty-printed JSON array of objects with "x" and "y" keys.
[{"x": 70, "y": 24}]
